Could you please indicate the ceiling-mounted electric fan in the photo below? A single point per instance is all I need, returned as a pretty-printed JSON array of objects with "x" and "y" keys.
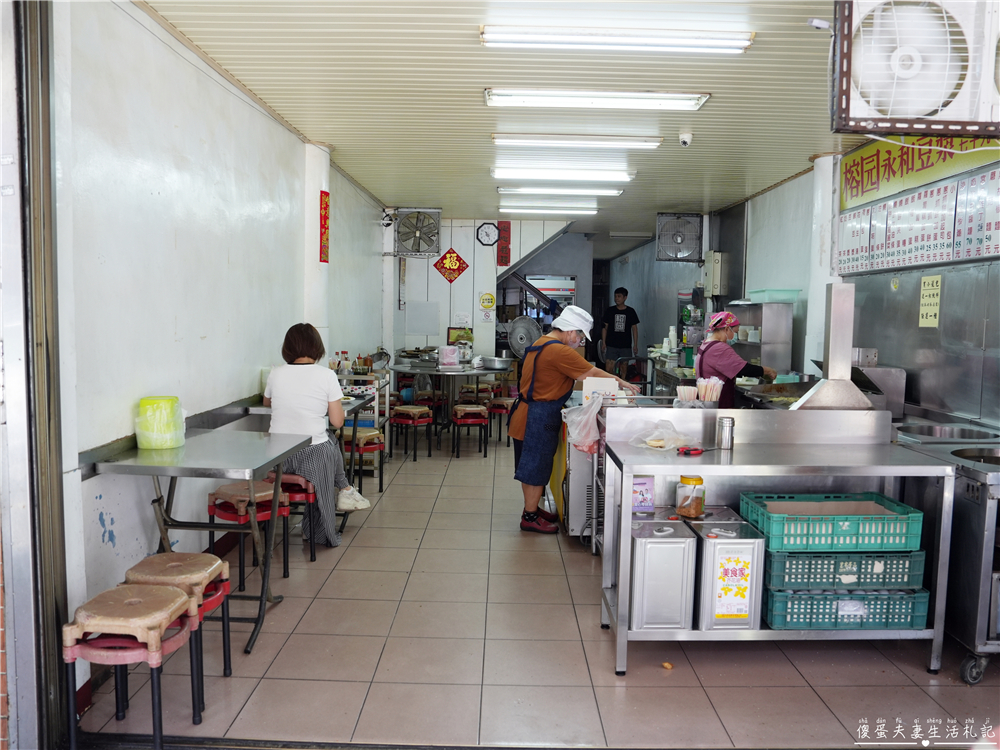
[
  {"x": 678, "y": 237},
  {"x": 524, "y": 332},
  {"x": 917, "y": 67},
  {"x": 417, "y": 231}
]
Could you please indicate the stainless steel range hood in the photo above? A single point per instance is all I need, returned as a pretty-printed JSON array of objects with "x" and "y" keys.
[{"x": 835, "y": 390}]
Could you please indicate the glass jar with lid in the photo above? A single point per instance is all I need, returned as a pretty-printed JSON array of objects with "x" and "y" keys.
[{"x": 690, "y": 497}]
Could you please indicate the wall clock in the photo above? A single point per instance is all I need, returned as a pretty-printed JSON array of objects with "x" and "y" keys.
[{"x": 488, "y": 233}]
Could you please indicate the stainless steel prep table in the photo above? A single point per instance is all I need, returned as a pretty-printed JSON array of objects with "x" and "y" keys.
[
  {"x": 754, "y": 459},
  {"x": 216, "y": 454}
]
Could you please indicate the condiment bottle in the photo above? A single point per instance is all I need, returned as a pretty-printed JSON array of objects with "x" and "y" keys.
[{"x": 689, "y": 498}]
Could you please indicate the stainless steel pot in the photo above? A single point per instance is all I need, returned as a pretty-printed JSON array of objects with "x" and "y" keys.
[
  {"x": 431, "y": 356},
  {"x": 496, "y": 363}
]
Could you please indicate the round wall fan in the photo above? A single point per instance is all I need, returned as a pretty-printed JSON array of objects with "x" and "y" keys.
[
  {"x": 524, "y": 332},
  {"x": 910, "y": 59}
]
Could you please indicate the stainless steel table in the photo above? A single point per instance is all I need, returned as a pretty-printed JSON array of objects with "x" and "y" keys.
[
  {"x": 216, "y": 454},
  {"x": 888, "y": 461}
]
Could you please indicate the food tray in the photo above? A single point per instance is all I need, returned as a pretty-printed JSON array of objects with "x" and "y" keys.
[
  {"x": 830, "y": 611},
  {"x": 853, "y": 570},
  {"x": 880, "y": 524}
]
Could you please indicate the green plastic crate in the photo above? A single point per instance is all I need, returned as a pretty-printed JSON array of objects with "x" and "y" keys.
[
  {"x": 850, "y": 570},
  {"x": 899, "y": 531},
  {"x": 829, "y": 611}
]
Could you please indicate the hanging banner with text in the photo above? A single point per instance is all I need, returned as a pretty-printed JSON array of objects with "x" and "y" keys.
[
  {"x": 503, "y": 244},
  {"x": 324, "y": 226},
  {"x": 881, "y": 169}
]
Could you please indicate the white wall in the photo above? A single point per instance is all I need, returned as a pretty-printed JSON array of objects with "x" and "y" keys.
[
  {"x": 182, "y": 238},
  {"x": 780, "y": 240}
]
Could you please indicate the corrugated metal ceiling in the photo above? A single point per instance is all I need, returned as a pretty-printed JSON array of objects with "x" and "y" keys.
[{"x": 397, "y": 89}]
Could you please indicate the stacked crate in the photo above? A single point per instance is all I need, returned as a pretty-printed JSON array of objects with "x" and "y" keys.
[{"x": 841, "y": 572}]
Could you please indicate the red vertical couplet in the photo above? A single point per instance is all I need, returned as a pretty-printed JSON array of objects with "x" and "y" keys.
[
  {"x": 503, "y": 244},
  {"x": 324, "y": 226}
]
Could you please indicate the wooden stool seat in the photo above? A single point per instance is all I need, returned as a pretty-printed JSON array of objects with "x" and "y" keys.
[{"x": 463, "y": 411}]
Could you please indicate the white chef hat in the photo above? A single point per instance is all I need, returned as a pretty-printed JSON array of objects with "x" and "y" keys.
[{"x": 574, "y": 318}]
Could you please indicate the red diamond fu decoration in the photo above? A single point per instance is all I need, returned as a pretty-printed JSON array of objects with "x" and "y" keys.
[{"x": 450, "y": 265}]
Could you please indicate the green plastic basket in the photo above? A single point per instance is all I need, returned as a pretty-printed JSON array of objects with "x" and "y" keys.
[
  {"x": 829, "y": 611},
  {"x": 899, "y": 530},
  {"x": 850, "y": 570}
]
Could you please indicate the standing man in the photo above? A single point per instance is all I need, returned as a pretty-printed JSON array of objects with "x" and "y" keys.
[{"x": 620, "y": 334}]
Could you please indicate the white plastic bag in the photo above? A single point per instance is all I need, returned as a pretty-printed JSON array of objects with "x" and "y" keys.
[
  {"x": 581, "y": 425},
  {"x": 662, "y": 436}
]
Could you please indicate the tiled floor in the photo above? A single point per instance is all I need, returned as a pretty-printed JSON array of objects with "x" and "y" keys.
[{"x": 438, "y": 622}]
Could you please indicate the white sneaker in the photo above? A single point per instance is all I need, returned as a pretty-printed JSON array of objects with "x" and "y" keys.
[{"x": 349, "y": 499}]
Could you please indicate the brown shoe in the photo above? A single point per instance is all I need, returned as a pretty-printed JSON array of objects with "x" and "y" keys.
[{"x": 539, "y": 525}]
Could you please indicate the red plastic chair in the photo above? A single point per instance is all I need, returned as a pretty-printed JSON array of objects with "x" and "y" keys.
[
  {"x": 499, "y": 407},
  {"x": 229, "y": 503},
  {"x": 411, "y": 416},
  {"x": 469, "y": 416}
]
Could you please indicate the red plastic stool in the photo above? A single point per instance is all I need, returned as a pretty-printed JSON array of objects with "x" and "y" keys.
[
  {"x": 301, "y": 491},
  {"x": 369, "y": 440},
  {"x": 469, "y": 416},
  {"x": 131, "y": 621},
  {"x": 411, "y": 416},
  {"x": 499, "y": 407},
  {"x": 230, "y": 502}
]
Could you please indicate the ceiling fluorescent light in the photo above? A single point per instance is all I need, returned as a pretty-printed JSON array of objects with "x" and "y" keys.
[
  {"x": 575, "y": 141},
  {"x": 656, "y": 100},
  {"x": 558, "y": 191},
  {"x": 580, "y": 175},
  {"x": 552, "y": 210},
  {"x": 709, "y": 42},
  {"x": 631, "y": 235}
]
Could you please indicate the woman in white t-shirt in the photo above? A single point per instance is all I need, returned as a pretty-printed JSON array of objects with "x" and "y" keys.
[{"x": 302, "y": 396}]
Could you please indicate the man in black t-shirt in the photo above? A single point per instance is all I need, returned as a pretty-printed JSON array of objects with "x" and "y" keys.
[{"x": 620, "y": 333}]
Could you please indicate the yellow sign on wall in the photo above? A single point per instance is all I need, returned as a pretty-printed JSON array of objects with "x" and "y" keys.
[
  {"x": 881, "y": 169},
  {"x": 930, "y": 301},
  {"x": 487, "y": 301}
]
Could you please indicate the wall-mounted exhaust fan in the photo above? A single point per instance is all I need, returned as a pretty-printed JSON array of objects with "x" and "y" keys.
[
  {"x": 417, "y": 232},
  {"x": 678, "y": 237},
  {"x": 927, "y": 67}
]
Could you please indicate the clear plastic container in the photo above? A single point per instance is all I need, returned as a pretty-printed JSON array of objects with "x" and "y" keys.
[{"x": 689, "y": 498}]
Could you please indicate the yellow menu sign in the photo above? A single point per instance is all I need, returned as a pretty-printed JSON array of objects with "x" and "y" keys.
[
  {"x": 930, "y": 301},
  {"x": 880, "y": 169}
]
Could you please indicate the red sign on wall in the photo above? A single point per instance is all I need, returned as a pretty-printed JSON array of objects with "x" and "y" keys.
[
  {"x": 324, "y": 226},
  {"x": 450, "y": 265},
  {"x": 503, "y": 244}
]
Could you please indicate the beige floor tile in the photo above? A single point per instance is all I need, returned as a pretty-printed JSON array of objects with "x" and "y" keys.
[
  {"x": 397, "y": 520},
  {"x": 409, "y": 468},
  {"x": 909, "y": 703},
  {"x": 777, "y": 717},
  {"x": 526, "y": 716},
  {"x": 398, "y": 491},
  {"x": 463, "y": 505},
  {"x": 455, "y": 539},
  {"x": 465, "y": 474},
  {"x": 460, "y": 521},
  {"x": 378, "y": 536},
  {"x": 364, "y": 584},
  {"x": 636, "y": 717},
  {"x": 405, "y": 505},
  {"x": 298, "y": 554},
  {"x": 508, "y": 489},
  {"x": 446, "y": 587},
  {"x": 304, "y": 582},
  {"x": 967, "y": 702},
  {"x": 585, "y": 589},
  {"x": 582, "y": 565},
  {"x": 588, "y": 616},
  {"x": 537, "y": 662},
  {"x": 454, "y": 661},
  {"x": 377, "y": 558},
  {"x": 440, "y": 620},
  {"x": 278, "y": 618},
  {"x": 912, "y": 658},
  {"x": 396, "y": 714},
  {"x": 529, "y": 589},
  {"x": 644, "y": 667},
  {"x": 531, "y": 622},
  {"x": 526, "y": 562},
  {"x": 348, "y": 617},
  {"x": 452, "y": 561},
  {"x": 514, "y": 539},
  {"x": 224, "y": 697},
  {"x": 309, "y": 711},
  {"x": 471, "y": 490},
  {"x": 410, "y": 479},
  {"x": 244, "y": 665},
  {"x": 348, "y": 658},
  {"x": 722, "y": 664},
  {"x": 830, "y": 663}
]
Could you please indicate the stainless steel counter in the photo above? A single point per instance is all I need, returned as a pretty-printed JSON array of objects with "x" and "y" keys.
[{"x": 881, "y": 461}]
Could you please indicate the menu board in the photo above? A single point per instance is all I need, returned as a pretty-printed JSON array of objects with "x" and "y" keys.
[
  {"x": 977, "y": 213},
  {"x": 853, "y": 249},
  {"x": 876, "y": 236},
  {"x": 919, "y": 228}
]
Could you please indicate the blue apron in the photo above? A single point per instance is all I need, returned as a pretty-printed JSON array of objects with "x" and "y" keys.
[{"x": 541, "y": 433}]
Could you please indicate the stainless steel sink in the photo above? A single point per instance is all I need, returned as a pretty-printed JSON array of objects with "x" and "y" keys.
[
  {"x": 979, "y": 455},
  {"x": 945, "y": 433}
]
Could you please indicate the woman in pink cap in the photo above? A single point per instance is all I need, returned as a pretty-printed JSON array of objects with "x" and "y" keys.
[{"x": 716, "y": 357}]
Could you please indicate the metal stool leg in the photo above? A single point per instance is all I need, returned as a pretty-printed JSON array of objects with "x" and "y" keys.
[
  {"x": 195, "y": 697},
  {"x": 284, "y": 546},
  {"x": 154, "y": 685},
  {"x": 121, "y": 691},
  {"x": 311, "y": 510},
  {"x": 381, "y": 465},
  {"x": 71, "y": 702},
  {"x": 242, "y": 544},
  {"x": 428, "y": 440},
  {"x": 227, "y": 659}
]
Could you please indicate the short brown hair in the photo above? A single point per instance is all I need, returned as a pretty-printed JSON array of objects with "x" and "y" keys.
[{"x": 302, "y": 340}]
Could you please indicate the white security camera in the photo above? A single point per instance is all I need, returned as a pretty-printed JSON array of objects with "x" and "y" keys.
[
  {"x": 686, "y": 139},
  {"x": 387, "y": 220},
  {"x": 818, "y": 23}
]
